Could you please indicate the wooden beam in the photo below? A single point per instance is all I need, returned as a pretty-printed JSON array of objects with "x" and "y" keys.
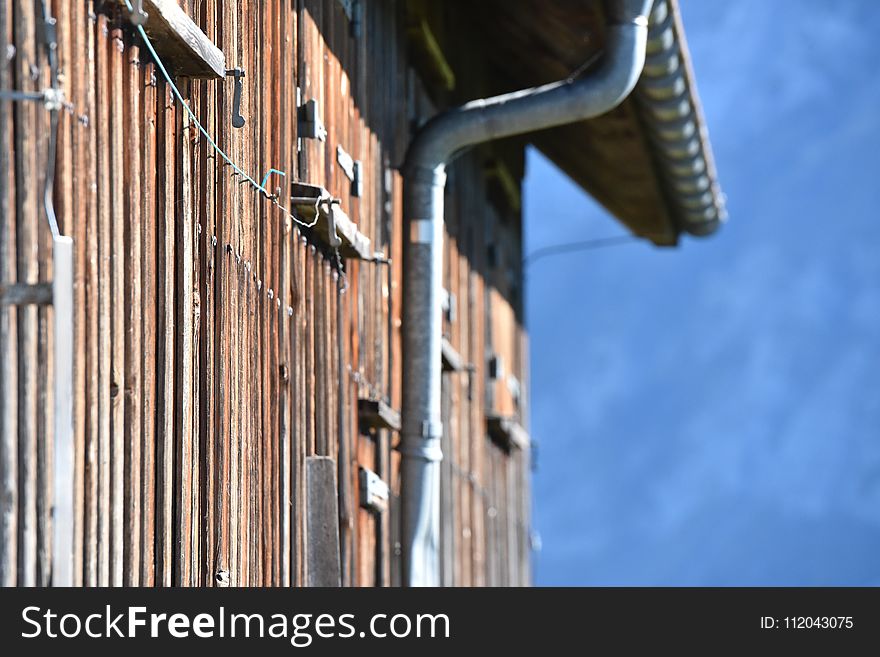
[
  {"x": 185, "y": 50},
  {"x": 426, "y": 52},
  {"x": 376, "y": 414},
  {"x": 311, "y": 199},
  {"x": 452, "y": 360},
  {"x": 507, "y": 432},
  {"x": 373, "y": 491}
]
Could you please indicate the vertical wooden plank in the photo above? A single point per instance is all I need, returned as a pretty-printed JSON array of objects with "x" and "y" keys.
[
  {"x": 134, "y": 279},
  {"x": 324, "y": 356},
  {"x": 166, "y": 338},
  {"x": 290, "y": 49},
  {"x": 73, "y": 62},
  {"x": 223, "y": 490},
  {"x": 282, "y": 93},
  {"x": 45, "y": 420},
  {"x": 91, "y": 575},
  {"x": 394, "y": 562},
  {"x": 150, "y": 275},
  {"x": 183, "y": 358},
  {"x": 467, "y": 492},
  {"x": 239, "y": 498},
  {"x": 233, "y": 237},
  {"x": 118, "y": 219},
  {"x": 25, "y": 131},
  {"x": 264, "y": 325},
  {"x": 208, "y": 163},
  {"x": 284, "y": 369},
  {"x": 348, "y": 473},
  {"x": 446, "y": 484},
  {"x": 332, "y": 348},
  {"x": 235, "y": 498},
  {"x": 104, "y": 335},
  {"x": 224, "y": 217},
  {"x": 294, "y": 405},
  {"x": 253, "y": 430},
  {"x": 196, "y": 143},
  {"x": 301, "y": 397},
  {"x": 264, "y": 158},
  {"x": 320, "y": 365},
  {"x": 8, "y": 328},
  {"x": 248, "y": 247},
  {"x": 306, "y": 389},
  {"x": 310, "y": 390}
]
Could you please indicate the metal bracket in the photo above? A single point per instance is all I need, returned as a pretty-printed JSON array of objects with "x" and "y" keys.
[
  {"x": 52, "y": 99},
  {"x": 309, "y": 125},
  {"x": 23, "y": 294},
  {"x": 357, "y": 185},
  {"x": 138, "y": 15},
  {"x": 432, "y": 429},
  {"x": 50, "y": 34},
  {"x": 496, "y": 367},
  {"x": 237, "y": 119},
  {"x": 353, "y": 170},
  {"x": 515, "y": 388},
  {"x": 374, "y": 491},
  {"x": 332, "y": 235},
  {"x": 448, "y": 305}
]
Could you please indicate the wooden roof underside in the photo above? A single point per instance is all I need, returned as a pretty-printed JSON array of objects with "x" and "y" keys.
[{"x": 533, "y": 42}]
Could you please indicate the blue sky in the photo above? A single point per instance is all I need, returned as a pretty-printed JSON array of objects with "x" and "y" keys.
[{"x": 710, "y": 415}]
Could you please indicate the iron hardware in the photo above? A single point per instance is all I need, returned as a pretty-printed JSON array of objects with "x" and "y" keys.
[{"x": 237, "y": 119}]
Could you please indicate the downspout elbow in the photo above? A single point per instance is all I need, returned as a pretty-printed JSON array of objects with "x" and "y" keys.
[{"x": 444, "y": 136}]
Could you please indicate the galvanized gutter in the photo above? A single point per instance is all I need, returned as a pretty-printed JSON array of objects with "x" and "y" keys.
[
  {"x": 430, "y": 152},
  {"x": 670, "y": 109}
]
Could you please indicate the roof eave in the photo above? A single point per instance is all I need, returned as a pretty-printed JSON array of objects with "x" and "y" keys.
[{"x": 678, "y": 137}]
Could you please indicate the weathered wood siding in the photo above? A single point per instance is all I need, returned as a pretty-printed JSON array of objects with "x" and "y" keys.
[{"x": 218, "y": 344}]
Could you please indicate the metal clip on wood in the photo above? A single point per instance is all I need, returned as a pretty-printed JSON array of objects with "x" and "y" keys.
[{"x": 237, "y": 118}]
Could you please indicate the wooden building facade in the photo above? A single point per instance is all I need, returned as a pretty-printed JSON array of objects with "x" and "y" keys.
[
  {"x": 236, "y": 380},
  {"x": 201, "y": 239}
]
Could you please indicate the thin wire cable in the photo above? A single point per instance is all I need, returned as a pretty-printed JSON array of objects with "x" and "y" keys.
[
  {"x": 571, "y": 247},
  {"x": 210, "y": 139}
]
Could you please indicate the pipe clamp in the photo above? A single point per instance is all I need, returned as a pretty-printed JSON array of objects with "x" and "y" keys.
[
  {"x": 421, "y": 231},
  {"x": 426, "y": 450}
]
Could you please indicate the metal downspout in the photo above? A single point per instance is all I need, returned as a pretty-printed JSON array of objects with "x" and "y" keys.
[{"x": 432, "y": 149}]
